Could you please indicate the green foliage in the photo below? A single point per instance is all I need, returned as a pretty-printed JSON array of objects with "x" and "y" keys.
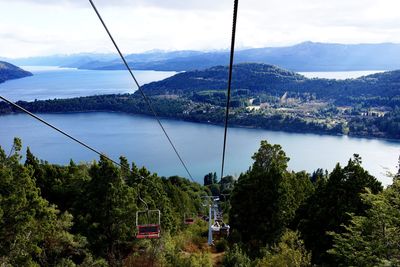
[
  {"x": 32, "y": 231},
  {"x": 221, "y": 245},
  {"x": 329, "y": 207},
  {"x": 236, "y": 257},
  {"x": 265, "y": 199},
  {"x": 106, "y": 212},
  {"x": 210, "y": 178},
  {"x": 289, "y": 251},
  {"x": 82, "y": 215},
  {"x": 372, "y": 239}
]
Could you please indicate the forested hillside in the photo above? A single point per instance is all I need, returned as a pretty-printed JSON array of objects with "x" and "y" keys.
[
  {"x": 85, "y": 215},
  {"x": 275, "y": 81},
  {"x": 263, "y": 96},
  {"x": 9, "y": 72}
]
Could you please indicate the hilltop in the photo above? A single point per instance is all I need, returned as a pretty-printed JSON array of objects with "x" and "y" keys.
[
  {"x": 268, "y": 79},
  {"x": 9, "y": 72},
  {"x": 252, "y": 76}
]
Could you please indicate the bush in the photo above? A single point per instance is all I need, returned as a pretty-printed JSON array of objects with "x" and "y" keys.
[
  {"x": 290, "y": 251},
  {"x": 221, "y": 245},
  {"x": 235, "y": 257}
]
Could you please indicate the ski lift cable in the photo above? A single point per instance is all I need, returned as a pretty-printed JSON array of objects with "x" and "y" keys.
[
  {"x": 228, "y": 97},
  {"x": 73, "y": 138},
  {"x": 147, "y": 100}
]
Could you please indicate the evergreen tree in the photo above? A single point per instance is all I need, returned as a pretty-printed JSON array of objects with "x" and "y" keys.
[
  {"x": 208, "y": 179},
  {"x": 32, "y": 232},
  {"x": 214, "y": 178},
  {"x": 372, "y": 239},
  {"x": 265, "y": 198},
  {"x": 107, "y": 213},
  {"x": 329, "y": 207}
]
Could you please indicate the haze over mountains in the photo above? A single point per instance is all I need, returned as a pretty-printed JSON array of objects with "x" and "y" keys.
[{"x": 307, "y": 56}]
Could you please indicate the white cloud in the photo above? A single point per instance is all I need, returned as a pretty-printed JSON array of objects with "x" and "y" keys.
[
  {"x": 34, "y": 27},
  {"x": 167, "y": 4}
]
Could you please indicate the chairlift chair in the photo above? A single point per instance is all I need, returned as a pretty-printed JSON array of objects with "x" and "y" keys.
[
  {"x": 216, "y": 227},
  {"x": 189, "y": 219},
  {"x": 148, "y": 229},
  {"x": 224, "y": 230}
]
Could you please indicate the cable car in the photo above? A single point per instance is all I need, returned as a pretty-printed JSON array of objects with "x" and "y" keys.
[
  {"x": 150, "y": 228},
  {"x": 224, "y": 230},
  {"x": 216, "y": 227}
]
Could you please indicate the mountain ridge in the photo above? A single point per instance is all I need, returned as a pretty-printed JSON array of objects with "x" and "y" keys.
[
  {"x": 9, "y": 71},
  {"x": 306, "y": 56},
  {"x": 276, "y": 81}
]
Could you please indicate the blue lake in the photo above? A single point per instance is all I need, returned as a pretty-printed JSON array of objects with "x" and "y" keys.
[
  {"x": 140, "y": 139},
  {"x": 53, "y": 82}
]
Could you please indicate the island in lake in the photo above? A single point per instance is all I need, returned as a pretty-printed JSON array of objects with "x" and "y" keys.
[{"x": 263, "y": 96}]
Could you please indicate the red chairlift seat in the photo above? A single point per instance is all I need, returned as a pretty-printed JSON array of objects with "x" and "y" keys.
[
  {"x": 148, "y": 230},
  {"x": 189, "y": 219}
]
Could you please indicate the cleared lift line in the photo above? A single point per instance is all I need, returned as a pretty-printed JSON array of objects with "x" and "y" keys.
[{"x": 147, "y": 100}]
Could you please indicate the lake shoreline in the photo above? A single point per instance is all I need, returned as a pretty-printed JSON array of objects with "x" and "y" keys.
[
  {"x": 139, "y": 138},
  {"x": 320, "y": 133}
]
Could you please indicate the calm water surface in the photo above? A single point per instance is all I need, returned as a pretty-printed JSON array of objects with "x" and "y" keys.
[
  {"x": 53, "y": 82},
  {"x": 140, "y": 140}
]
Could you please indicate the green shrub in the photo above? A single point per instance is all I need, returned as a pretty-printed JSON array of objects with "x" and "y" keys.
[
  {"x": 221, "y": 245},
  {"x": 235, "y": 257}
]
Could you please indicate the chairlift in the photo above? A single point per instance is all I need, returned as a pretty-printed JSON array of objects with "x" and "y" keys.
[
  {"x": 151, "y": 227},
  {"x": 224, "y": 230},
  {"x": 216, "y": 227},
  {"x": 189, "y": 219}
]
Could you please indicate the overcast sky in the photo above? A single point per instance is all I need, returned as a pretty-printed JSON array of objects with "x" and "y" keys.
[{"x": 43, "y": 27}]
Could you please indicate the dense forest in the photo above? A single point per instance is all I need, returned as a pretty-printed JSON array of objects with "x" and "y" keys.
[
  {"x": 264, "y": 78},
  {"x": 84, "y": 215}
]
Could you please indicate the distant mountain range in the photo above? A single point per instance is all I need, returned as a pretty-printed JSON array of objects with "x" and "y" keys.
[
  {"x": 9, "y": 72},
  {"x": 307, "y": 56},
  {"x": 73, "y": 60}
]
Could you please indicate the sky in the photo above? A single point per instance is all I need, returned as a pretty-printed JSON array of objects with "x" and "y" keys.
[{"x": 45, "y": 27}]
